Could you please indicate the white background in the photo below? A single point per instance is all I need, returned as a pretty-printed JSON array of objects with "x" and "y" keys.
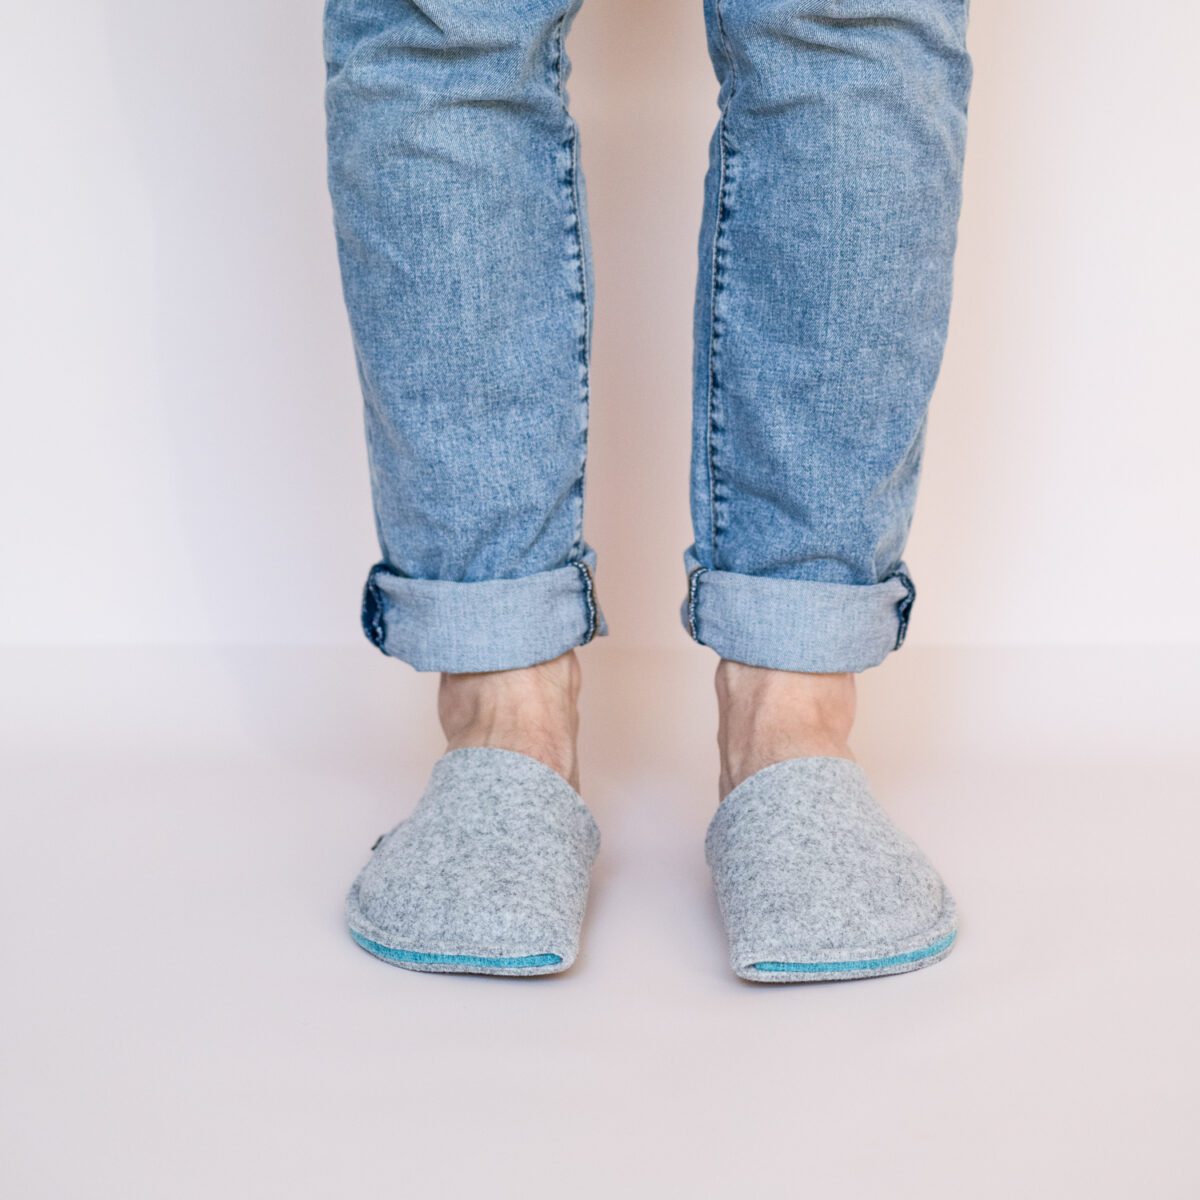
[{"x": 182, "y": 457}]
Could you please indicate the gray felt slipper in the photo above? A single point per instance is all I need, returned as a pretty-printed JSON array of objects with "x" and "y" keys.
[
  {"x": 488, "y": 875},
  {"x": 816, "y": 883}
]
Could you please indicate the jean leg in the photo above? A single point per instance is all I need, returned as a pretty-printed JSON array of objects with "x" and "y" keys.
[
  {"x": 826, "y": 250},
  {"x": 461, "y": 230}
]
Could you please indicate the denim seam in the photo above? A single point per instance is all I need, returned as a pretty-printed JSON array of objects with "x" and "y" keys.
[
  {"x": 589, "y": 602},
  {"x": 373, "y": 455},
  {"x": 714, "y": 324},
  {"x": 693, "y": 591},
  {"x": 570, "y": 185},
  {"x": 373, "y": 621},
  {"x": 825, "y": 370},
  {"x": 903, "y": 605}
]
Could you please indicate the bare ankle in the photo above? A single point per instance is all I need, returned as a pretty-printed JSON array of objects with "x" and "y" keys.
[
  {"x": 532, "y": 710},
  {"x": 767, "y": 716}
]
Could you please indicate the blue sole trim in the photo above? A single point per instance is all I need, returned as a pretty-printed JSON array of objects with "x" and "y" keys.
[
  {"x": 421, "y": 958},
  {"x": 858, "y": 964}
]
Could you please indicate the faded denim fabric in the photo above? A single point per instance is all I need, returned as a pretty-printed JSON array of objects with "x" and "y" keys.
[{"x": 826, "y": 247}]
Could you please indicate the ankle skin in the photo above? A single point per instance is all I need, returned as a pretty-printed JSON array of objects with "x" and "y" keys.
[
  {"x": 531, "y": 710},
  {"x": 767, "y": 716}
]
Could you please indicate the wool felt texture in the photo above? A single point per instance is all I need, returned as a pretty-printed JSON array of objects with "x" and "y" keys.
[
  {"x": 814, "y": 882},
  {"x": 488, "y": 875}
]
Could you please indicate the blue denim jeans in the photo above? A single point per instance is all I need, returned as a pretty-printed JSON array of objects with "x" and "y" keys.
[{"x": 830, "y": 210}]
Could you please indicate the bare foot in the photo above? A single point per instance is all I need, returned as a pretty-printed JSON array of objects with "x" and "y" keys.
[
  {"x": 767, "y": 716},
  {"x": 532, "y": 710}
]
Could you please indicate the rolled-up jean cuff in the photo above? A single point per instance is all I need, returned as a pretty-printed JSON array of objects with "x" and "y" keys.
[
  {"x": 489, "y": 625},
  {"x": 796, "y": 624}
]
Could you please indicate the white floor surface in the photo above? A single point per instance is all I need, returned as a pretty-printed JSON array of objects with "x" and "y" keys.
[{"x": 182, "y": 1014}]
